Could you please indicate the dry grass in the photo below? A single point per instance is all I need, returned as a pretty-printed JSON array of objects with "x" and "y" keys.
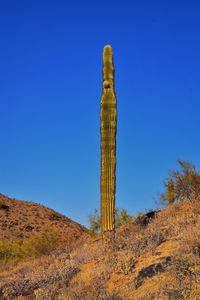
[{"x": 159, "y": 261}]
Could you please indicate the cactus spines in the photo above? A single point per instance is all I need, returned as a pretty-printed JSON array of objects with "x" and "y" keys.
[{"x": 108, "y": 143}]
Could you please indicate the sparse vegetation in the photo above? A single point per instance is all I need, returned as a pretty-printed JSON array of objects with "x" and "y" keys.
[
  {"x": 160, "y": 260},
  {"x": 34, "y": 246},
  {"x": 121, "y": 218},
  {"x": 20, "y": 220}
]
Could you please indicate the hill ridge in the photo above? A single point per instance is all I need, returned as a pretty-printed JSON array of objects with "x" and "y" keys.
[{"x": 20, "y": 219}]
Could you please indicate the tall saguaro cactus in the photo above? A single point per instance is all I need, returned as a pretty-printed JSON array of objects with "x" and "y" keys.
[{"x": 108, "y": 143}]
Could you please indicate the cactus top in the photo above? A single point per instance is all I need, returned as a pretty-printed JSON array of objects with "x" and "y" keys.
[
  {"x": 108, "y": 68},
  {"x": 107, "y": 49}
]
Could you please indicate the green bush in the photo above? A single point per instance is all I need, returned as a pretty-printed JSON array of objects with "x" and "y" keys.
[
  {"x": 10, "y": 250},
  {"x": 185, "y": 183},
  {"x": 42, "y": 244},
  {"x": 36, "y": 245},
  {"x": 94, "y": 221}
]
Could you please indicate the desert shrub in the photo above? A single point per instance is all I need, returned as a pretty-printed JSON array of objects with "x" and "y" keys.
[
  {"x": 182, "y": 184},
  {"x": 184, "y": 278},
  {"x": 164, "y": 227},
  {"x": 10, "y": 250},
  {"x": 125, "y": 262},
  {"x": 183, "y": 269},
  {"x": 95, "y": 291},
  {"x": 140, "y": 240},
  {"x": 122, "y": 217},
  {"x": 34, "y": 246},
  {"x": 87, "y": 252},
  {"x": 48, "y": 275},
  {"x": 47, "y": 241},
  {"x": 94, "y": 221}
]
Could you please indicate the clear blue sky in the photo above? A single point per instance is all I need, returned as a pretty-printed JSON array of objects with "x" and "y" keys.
[{"x": 50, "y": 88}]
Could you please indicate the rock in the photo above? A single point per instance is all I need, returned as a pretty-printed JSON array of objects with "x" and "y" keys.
[
  {"x": 145, "y": 219},
  {"x": 29, "y": 228},
  {"x": 5, "y": 207},
  {"x": 152, "y": 270}
]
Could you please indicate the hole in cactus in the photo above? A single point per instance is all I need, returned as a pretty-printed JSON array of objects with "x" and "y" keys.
[{"x": 106, "y": 84}]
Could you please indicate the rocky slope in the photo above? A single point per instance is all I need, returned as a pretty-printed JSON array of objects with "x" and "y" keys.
[
  {"x": 21, "y": 220},
  {"x": 154, "y": 259}
]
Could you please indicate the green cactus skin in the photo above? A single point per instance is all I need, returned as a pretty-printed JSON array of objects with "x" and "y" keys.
[{"x": 108, "y": 143}]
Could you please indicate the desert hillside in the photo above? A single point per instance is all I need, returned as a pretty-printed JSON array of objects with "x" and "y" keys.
[
  {"x": 21, "y": 220},
  {"x": 150, "y": 258}
]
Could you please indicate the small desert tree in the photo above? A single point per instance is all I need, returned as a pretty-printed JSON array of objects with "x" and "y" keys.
[
  {"x": 183, "y": 184},
  {"x": 122, "y": 217},
  {"x": 94, "y": 221}
]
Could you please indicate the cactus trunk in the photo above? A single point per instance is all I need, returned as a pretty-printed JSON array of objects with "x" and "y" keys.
[{"x": 108, "y": 143}]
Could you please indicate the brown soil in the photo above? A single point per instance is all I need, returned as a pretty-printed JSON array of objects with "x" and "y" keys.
[
  {"x": 160, "y": 261},
  {"x": 21, "y": 219}
]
